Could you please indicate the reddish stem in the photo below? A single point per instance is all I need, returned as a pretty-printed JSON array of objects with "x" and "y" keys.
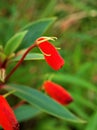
[
  {"x": 19, "y": 104},
  {"x": 3, "y": 65},
  {"x": 1, "y": 85},
  {"x": 20, "y": 61}
]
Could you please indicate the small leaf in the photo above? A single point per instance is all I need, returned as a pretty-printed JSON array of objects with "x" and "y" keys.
[
  {"x": 43, "y": 102},
  {"x": 26, "y": 112},
  {"x": 14, "y": 42},
  {"x": 31, "y": 56}
]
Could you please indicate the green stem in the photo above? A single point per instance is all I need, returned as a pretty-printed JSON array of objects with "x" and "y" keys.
[{"x": 9, "y": 93}]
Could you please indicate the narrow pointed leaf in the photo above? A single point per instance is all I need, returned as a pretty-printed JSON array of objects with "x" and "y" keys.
[
  {"x": 31, "y": 56},
  {"x": 43, "y": 102},
  {"x": 35, "y": 30},
  {"x": 92, "y": 124},
  {"x": 26, "y": 112}
]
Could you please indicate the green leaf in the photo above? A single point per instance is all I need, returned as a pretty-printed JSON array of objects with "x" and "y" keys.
[
  {"x": 92, "y": 124},
  {"x": 78, "y": 110},
  {"x": 83, "y": 101},
  {"x": 14, "y": 42},
  {"x": 50, "y": 6},
  {"x": 26, "y": 112},
  {"x": 2, "y": 55},
  {"x": 35, "y": 30},
  {"x": 43, "y": 102},
  {"x": 31, "y": 56},
  {"x": 84, "y": 68},
  {"x": 67, "y": 78}
]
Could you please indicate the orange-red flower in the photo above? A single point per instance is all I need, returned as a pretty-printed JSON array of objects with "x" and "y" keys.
[
  {"x": 7, "y": 118},
  {"x": 51, "y": 54},
  {"x": 57, "y": 92}
]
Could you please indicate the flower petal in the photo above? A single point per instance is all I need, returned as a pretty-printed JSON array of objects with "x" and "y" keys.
[
  {"x": 7, "y": 118},
  {"x": 51, "y": 54},
  {"x": 57, "y": 92}
]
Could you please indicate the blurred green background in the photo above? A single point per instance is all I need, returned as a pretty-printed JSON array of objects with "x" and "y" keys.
[{"x": 76, "y": 30}]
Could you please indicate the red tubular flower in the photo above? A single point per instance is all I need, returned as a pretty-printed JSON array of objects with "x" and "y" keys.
[
  {"x": 7, "y": 118},
  {"x": 57, "y": 92},
  {"x": 51, "y": 54}
]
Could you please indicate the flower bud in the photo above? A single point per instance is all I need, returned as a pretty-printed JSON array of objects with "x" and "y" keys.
[
  {"x": 7, "y": 118},
  {"x": 50, "y": 53},
  {"x": 57, "y": 92}
]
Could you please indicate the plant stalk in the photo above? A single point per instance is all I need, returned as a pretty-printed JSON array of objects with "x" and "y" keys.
[{"x": 20, "y": 61}]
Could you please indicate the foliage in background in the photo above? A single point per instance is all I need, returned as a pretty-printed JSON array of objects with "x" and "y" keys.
[{"x": 76, "y": 29}]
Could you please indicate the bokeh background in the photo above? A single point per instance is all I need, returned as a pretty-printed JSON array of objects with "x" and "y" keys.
[{"x": 76, "y": 30}]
